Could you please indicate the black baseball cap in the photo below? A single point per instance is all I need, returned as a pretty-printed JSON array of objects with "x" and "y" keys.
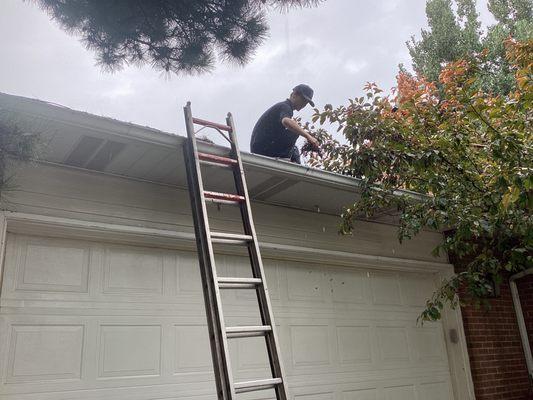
[{"x": 306, "y": 92}]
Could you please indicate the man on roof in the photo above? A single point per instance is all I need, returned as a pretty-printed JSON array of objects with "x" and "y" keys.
[{"x": 275, "y": 133}]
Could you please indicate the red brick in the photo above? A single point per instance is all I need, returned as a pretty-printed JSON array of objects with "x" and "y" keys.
[{"x": 496, "y": 356}]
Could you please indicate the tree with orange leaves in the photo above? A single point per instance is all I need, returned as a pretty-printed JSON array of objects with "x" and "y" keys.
[{"x": 463, "y": 159}]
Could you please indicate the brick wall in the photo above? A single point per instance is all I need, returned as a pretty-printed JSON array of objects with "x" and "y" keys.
[
  {"x": 496, "y": 356},
  {"x": 497, "y": 359}
]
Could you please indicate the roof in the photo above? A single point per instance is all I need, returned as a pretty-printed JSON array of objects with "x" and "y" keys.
[{"x": 82, "y": 140}]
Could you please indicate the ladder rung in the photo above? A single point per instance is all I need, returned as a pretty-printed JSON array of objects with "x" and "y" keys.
[
  {"x": 211, "y": 124},
  {"x": 212, "y": 158},
  {"x": 238, "y": 283},
  {"x": 216, "y": 165},
  {"x": 230, "y": 238},
  {"x": 224, "y": 196},
  {"x": 224, "y": 235},
  {"x": 230, "y": 241},
  {"x": 247, "y": 331},
  {"x": 220, "y": 201},
  {"x": 252, "y": 386}
]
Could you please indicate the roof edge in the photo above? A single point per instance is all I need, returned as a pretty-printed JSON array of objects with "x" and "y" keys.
[{"x": 106, "y": 125}]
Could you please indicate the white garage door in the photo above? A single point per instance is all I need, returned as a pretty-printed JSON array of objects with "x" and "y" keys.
[{"x": 86, "y": 320}]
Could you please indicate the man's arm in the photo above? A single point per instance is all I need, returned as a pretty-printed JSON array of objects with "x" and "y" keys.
[{"x": 293, "y": 126}]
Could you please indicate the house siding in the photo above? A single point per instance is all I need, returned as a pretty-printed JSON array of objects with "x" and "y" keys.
[{"x": 64, "y": 192}]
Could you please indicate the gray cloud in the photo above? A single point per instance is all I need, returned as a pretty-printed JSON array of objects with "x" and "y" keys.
[{"x": 335, "y": 48}]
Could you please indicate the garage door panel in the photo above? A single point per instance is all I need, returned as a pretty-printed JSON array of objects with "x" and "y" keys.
[
  {"x": 129, "y": 274},
  {"x": 416, "y": 289},
  {"x": 192, "y": 352},
  {"x": 41, "y": 352},
  {"x": 434, "y": 391},
  {"x": 250, "y": 355},
  {"x": 48, "y": 265},
  {"x": 307, "y": 284},
  {"x": 134, "y": 272},
  {"x": 38, "y": 353},
  {"x": 358, "y": 349},
  {"x": 310, "y": 345},
  {"x": 188, "y": 275},
  {"x": 354, "y": 344},
  {"x": 428, "y": 344},
  {"x": 393, "y": 344},
  {"x": 90, "y": 320},
  {"x": 348, "y": 286},
  {"x": 73, "y": 270},
  {"x": 129, "y": 350},
  {"x": 385, "y": 288}
]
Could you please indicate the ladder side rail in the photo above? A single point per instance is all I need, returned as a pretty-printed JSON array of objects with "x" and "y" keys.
[
  {"x": 213, "y": 305},
  {"x": 263, "y": 297}
]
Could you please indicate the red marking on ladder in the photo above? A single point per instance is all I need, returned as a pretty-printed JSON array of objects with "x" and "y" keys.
[
  {"x": 211, "y": 124},
  {"x": 223, "y": 196},
  {"x": 217, "y": 159}
]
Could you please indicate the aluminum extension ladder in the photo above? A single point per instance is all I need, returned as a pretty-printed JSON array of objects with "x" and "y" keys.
[{"x": 219, "y": 333}]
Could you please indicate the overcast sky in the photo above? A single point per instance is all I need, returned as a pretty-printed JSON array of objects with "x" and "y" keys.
[{"x": 335, "y": 48}]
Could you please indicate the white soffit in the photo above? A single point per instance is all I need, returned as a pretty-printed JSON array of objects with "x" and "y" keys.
[{"x": 82, "y": 140}]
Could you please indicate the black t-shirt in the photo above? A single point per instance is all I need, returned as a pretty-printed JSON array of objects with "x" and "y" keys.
[{"x": 270, "y": 137}]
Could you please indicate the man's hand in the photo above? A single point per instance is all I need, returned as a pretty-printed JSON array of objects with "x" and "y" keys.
[
  {"x": 314, "y": 142},
  {"x": 295, "y": 127}
]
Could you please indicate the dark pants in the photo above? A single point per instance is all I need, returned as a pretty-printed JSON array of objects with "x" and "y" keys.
[{"x": 293, "y": 156}]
